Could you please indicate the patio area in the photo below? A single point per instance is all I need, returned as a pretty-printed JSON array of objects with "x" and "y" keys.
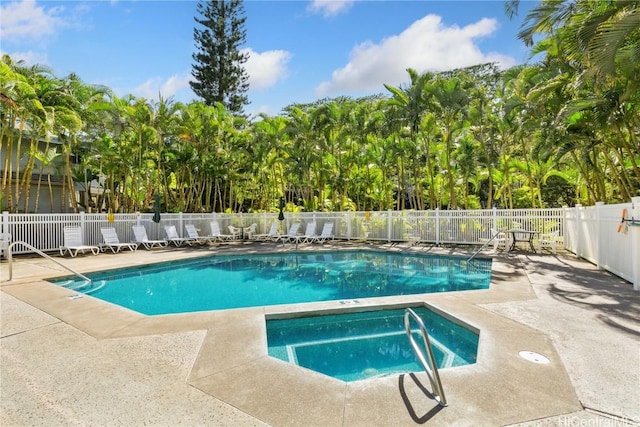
[{"x": 85, "y": 362}]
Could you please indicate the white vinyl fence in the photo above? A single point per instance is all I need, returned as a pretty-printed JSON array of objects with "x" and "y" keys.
[
  {"x": 45, "y": 231},
  {"x": 589, "y": 232},
  {"x": 598, "y": 234}
]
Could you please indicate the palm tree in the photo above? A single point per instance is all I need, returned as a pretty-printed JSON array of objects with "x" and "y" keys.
[
  {"x": 595, "y": 45},
  {"x": 163, "y": 123},
  {"x": 76, "y": 104},
  {"x": 328, "y": 121},
  {"x": 604, "y": 34},
  {"x": 366, "y": 128},
  {"x": 267, "y": 155},
  {"x": 412, "y": 104},
  {"x": 452, "y": 100},
  {"x": 21, "y": 112},
  {"x": 47, "y": 159},
  {"x": 466, "y": 162}
]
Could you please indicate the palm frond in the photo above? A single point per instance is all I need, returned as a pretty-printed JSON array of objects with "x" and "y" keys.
[{"x": 611, "y": 34}]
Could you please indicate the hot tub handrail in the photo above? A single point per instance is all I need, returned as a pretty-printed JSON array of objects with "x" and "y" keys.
[
  {"x": 39, "y": 252},
  {"x": 432, "y": 370}
]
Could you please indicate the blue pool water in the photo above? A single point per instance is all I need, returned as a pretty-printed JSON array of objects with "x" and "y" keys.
[
  {"x": 357, "y": 346},
  {"x": 235, "y": 281}
]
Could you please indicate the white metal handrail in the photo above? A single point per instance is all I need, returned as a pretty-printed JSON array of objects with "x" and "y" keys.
[
  {"x": 432, "y": 371},
  {"x": 483, "y": 246},
  {"x": 39, "y": 252}
]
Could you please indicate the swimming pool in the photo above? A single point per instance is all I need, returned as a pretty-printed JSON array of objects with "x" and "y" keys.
[
  {"x": 356, "y": 346},
  {"x": 236, "y": 281}
]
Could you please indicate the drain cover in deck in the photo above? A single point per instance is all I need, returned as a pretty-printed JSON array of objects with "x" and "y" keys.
[{"x": 533, "y": 357}]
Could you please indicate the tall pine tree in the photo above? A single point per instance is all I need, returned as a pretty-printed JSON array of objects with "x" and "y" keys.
[{"x": 219, "y": 70}]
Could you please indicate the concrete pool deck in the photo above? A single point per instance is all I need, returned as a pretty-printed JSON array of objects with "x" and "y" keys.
[{"x": 86, "y": 362}]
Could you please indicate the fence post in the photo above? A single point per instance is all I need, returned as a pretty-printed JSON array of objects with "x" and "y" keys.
[
  {"x": 599, "y": 231},
  {"x": 565, "y": 230},
  {"x": 635, "y": 243},
  {"x": 138, "y": 218},
  {"x": 389, "y": 225},
  {"x": 83, "y": 218},
  {"x": 494, "y": 219},
  {"x": 4, "y": 224},
  {"x": 437, "y": 226},
  {"x": 180, "y": 226},
  {"x": 578, "y": 244},
  {"x": 348, "y": 225}
]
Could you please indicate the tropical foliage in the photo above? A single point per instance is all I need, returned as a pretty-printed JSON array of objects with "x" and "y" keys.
[{"x": 561, "y": 131}]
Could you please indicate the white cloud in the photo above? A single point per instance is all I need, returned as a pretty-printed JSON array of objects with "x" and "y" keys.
[
  {"x": 167, "y": 88},
  {"x": 267, "y": 68},
  {"x": 30, "y": 57},
  {"x": 264, "y": 69},
  {"x": 175, "y": 84},
  {"x": 329, "y": 8},
  {"x": 256, "y": 111},
  {"x": 25, "y": 19},
  {"x": 427, "y": 45},
  {"x": 149, "y": 89}
]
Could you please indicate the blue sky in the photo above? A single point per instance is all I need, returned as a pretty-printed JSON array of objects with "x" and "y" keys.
[{"x": 300, "y": 51}]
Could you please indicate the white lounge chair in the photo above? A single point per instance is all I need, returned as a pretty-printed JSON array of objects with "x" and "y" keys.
[
  {"x": 309, "y": 233},
  {"x": 325, "y": 234},
  {"x": 272, "y": 234},
  {"x": 192, "y": 232},
  {"x": 291, "y": 234},
  {"x": 173, "y": 237},
  {"x": 215, "y": 232},
  {"x": 111, "y": 241},
  {"x": 73, "y": 243},
  {"x": 140, "y": 234}
]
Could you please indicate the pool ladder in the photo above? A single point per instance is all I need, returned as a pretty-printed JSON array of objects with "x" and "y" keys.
[{"x": 431, "y": 368}]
